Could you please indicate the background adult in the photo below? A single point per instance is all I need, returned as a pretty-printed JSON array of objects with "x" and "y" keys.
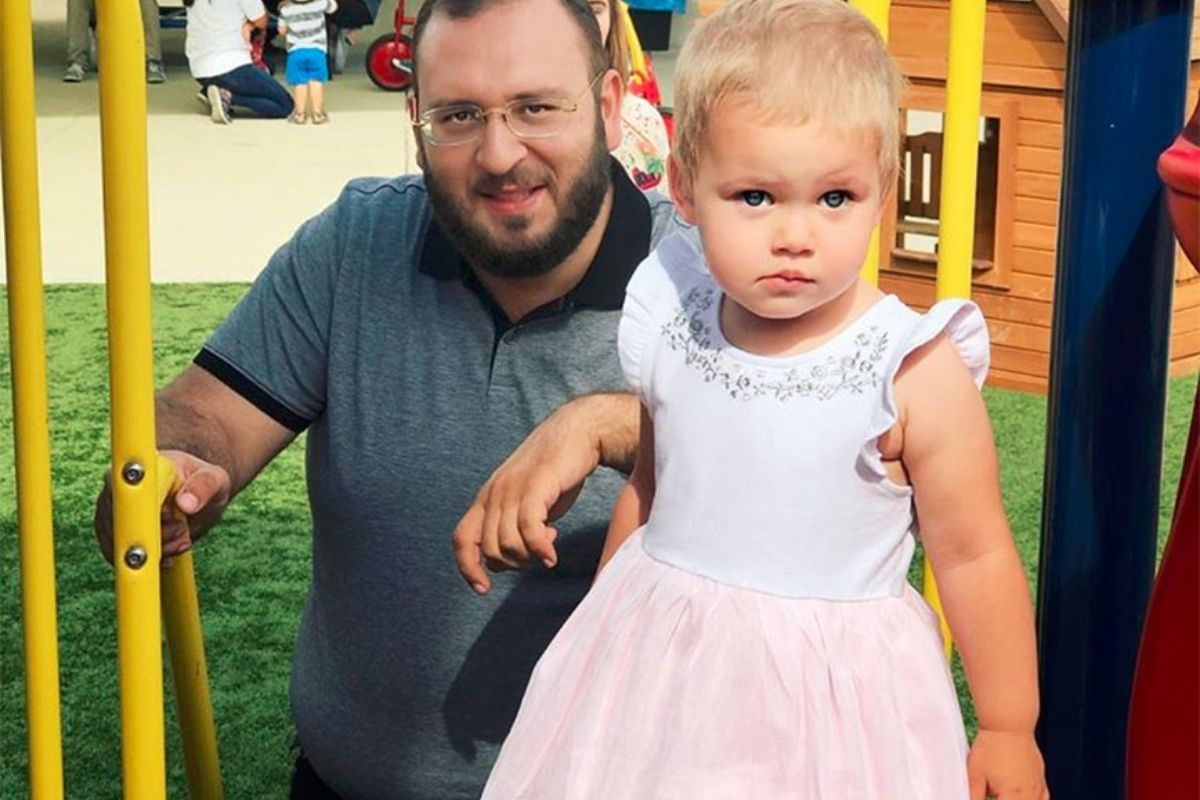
[
  {"x": 418, "y": 330},
  {"x": 644, "y": 143},
  {"x": 218, "y": 52},
  {"x": 80, "y": 14}
]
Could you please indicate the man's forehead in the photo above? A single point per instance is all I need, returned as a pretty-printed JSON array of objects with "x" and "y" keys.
[{"x": 507, "y": 50}]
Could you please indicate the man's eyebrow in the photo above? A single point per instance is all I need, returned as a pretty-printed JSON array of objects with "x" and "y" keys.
[
  {"x": 541, "y": 92},
  {"x": 448, "y": 103},
  {"x": 530, "y": 94}
]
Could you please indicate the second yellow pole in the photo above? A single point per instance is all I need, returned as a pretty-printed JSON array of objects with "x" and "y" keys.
[
  {"x": 960, "y": 149},
  {"x": 137, "y": 536},
  {"x": 960, "y": 160}
]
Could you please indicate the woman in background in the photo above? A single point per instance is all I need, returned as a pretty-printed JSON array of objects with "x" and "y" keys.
[
  {"x": 644, "y": 144},
  {"x": 218, "y": 52}
]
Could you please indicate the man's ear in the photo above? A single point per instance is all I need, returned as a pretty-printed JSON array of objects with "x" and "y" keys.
[
  {"x": 681, "y": 190},
  {"x": 612, "y": 96},
  {"x": 412, "y": 116}
]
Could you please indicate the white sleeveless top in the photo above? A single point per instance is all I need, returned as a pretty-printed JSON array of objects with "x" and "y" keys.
[{"x": 768, "y": 474}]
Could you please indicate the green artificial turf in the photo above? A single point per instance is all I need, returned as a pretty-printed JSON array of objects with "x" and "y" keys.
[{"x": 253, "y": 573}]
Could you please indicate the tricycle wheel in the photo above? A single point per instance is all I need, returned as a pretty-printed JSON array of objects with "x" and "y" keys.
[{"x": 389, "y": 62}]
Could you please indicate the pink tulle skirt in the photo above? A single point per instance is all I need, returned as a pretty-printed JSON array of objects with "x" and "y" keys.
[{"x": 666, "y": 685}]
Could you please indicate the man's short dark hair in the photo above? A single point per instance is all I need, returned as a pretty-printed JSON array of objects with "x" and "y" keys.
[{"x": 579, "y": 11}]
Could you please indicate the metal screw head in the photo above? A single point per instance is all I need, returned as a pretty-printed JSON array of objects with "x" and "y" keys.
[
  {"x": 133, "y": 473},
  {"x": 135, "y": 557}
]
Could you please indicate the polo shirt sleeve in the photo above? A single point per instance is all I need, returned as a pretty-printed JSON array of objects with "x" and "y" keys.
[{"x": 273, "y": 349}]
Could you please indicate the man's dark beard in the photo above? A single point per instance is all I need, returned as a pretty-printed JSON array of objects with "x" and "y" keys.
[{"x": 576, "y": 217}]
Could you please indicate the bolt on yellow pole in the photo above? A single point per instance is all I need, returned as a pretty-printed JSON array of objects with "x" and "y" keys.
[
  {"x": 136, "y": 528},
  {"x": 960, "y": 160},
  {"x": 23, "y": 252},
  {"x": 877, "y": 12}
]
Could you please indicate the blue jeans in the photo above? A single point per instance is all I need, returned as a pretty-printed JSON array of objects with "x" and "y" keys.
[{"x": 255, "y": 91}]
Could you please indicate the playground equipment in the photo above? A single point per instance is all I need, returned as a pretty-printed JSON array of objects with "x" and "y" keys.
[
  {"x": 1127, "y": 70},
  {"x": 1105, "y": 421},
  {"x": 141, "y": 478},
  {"x": 1163, "y": 742},
  {"x": 959, "y": 161}
]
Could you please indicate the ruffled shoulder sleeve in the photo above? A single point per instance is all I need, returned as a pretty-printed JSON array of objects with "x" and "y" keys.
[
  {"x": 650, "y": 299},
  {"x": 963, "y": 324}
]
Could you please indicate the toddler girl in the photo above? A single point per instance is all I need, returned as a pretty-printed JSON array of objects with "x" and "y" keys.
[{"x": 752, "y": 634}]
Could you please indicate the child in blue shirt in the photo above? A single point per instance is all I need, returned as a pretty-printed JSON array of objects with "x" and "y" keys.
[{"x": 303, "y": 24}]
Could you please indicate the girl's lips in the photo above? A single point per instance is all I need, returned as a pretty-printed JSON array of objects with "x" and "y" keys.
[{"x": 786, "y": 281}]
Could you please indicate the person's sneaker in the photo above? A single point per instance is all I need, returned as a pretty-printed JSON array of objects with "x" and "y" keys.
[
  {"x": 75, "y": 73},
  {"x": 218, "y": 101},
  {"x": 155, "y": 72}
]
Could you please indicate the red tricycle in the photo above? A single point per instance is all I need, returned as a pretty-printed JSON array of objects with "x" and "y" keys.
[{"x": 389, "y": 58}]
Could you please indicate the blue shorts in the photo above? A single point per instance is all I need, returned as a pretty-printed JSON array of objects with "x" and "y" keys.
[{"x": 307, "y": 64}]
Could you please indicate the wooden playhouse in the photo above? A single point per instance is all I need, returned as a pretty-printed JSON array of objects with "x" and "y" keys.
[{"x": 1021, "y": 141}]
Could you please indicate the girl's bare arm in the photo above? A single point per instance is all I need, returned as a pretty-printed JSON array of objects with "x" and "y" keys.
[
  {"x": 632, "y": 508},
  {"x": 950, "y": 458}
]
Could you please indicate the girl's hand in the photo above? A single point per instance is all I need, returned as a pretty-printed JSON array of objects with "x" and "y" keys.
[
  {"x": 247, "y": 29},
  {"x": 1006, "y": 766}
]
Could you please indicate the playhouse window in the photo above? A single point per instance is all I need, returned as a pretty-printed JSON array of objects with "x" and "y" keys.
[{"x": 915, "y": 225}]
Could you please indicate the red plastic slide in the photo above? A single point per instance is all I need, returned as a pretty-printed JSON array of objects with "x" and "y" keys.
[{"x": 1164, "y": 719}]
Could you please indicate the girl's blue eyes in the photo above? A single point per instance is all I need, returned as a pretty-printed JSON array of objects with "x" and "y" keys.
[
  {"x": 835, "y": 199},
  {"x": 755, "y": 198}
]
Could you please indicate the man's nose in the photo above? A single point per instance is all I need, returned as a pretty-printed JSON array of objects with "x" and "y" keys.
[{"x": 499, "y": 148}]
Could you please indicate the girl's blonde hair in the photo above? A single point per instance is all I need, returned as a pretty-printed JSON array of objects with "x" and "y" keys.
[{"x": 787, "y": 62}]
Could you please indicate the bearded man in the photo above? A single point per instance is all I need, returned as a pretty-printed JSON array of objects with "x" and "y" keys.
[{"x": 420, "y": 329}]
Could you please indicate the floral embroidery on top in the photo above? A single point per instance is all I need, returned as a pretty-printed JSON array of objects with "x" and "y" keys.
[{"x": 687, "y": 333}]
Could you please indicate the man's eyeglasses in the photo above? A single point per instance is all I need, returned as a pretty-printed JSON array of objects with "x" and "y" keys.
[{"x": 526, "y": 117}]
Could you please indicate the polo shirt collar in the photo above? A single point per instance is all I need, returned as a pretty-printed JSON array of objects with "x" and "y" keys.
[{"x": 625, "y": 243}]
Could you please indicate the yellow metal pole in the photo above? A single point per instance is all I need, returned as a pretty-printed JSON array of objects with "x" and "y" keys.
[
  {"x": 181, "y": 612},
  {"x": 960, "y": 149},
  {"x": 960, "y": 158},
  {"x": 138, "y": 540},
  {"x": 23, "y": 252},
  {"x": 877, "y": 12},
  {"x": 190, "y": 673}
]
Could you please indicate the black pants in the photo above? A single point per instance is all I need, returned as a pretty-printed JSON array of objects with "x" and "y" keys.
[{"x": 307, "y": 784}]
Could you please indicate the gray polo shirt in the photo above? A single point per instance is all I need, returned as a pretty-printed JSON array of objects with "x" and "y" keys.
[{"x": 368, "y": 330}]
